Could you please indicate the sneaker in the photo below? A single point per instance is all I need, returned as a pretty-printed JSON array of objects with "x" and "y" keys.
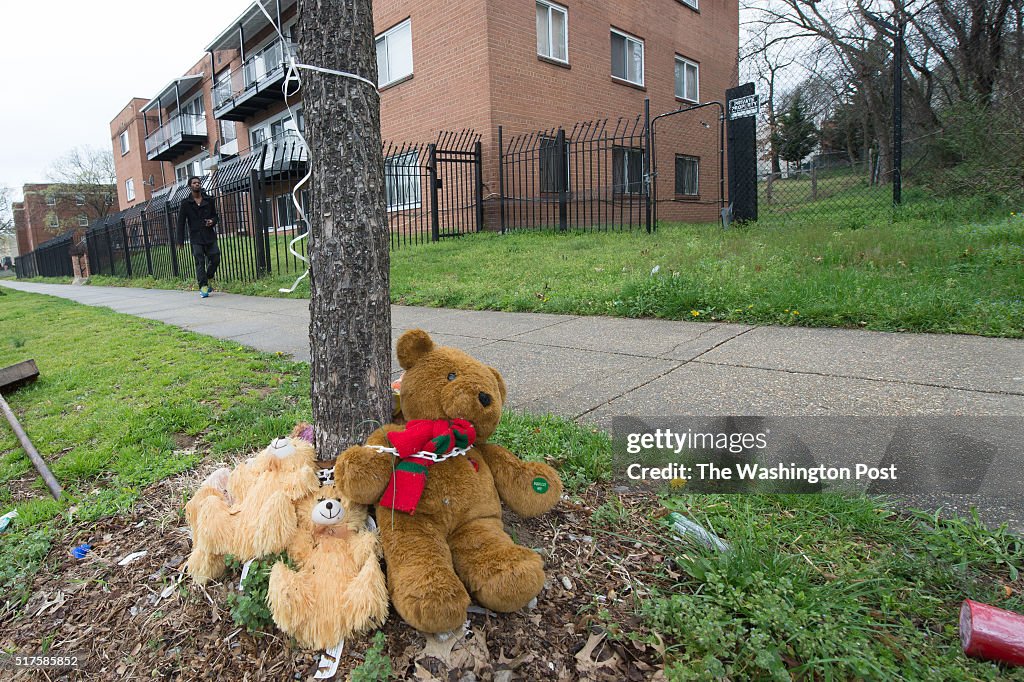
[{"x": 204, "y": 292}]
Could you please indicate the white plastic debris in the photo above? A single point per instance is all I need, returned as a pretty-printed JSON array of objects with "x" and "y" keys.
[
  {"x": 131, "y": 557},
  {"x": 328, "y": 666},
  {"x": 245, "y": 572},
  {"x": 6, "y": 519}
]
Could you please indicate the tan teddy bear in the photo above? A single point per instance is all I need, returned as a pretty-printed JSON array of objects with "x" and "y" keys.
[
  {"x": 249, "y": 512},
  {"x": 339, "y": 589},
  {"x": 439, "y": 496}
]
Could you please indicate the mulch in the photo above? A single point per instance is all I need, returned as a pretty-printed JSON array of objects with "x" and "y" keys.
[{"x": 146, "y": 619}]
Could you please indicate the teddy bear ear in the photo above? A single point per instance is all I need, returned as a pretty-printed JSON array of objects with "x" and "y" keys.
[
  {"x": 501, "y": 383},
  {"x": 412, "y": 346}
]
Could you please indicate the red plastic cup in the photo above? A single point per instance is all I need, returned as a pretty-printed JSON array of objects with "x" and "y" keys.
[{"x": 991, "y": 633}]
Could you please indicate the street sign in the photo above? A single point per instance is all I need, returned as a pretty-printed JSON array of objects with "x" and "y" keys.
[{"x": 741, "y": 107}]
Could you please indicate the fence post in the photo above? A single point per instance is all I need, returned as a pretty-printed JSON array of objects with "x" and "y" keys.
[
  {"x": 501, "y": 179},
  {"x": 648, "y": 137},
  {"x": 260, "y": 235},
  {"x": 110, "y": 248},
  {"x": 562, "y": 180},
  {"x": 145, "y": 242},
  {"x": 435, "y": 216},
  {"x": 127, "y": 249},
  {"x": 90, "y": 250},
  {"x": 814, "y": 180},
  {"x": 171, "y": 239},
  {"x": 478, "y": 155},
  {"x": 897, "y": 114}
]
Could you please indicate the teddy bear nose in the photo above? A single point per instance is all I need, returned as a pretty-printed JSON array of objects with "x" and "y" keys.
[
  {"x": 329, "y": 505},
  {"x": 485, "y": 399}
]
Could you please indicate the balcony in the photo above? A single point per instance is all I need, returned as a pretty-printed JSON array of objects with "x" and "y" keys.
[
  {"x": 255, "y": 86},
  {"x": 181, "y": 134}
]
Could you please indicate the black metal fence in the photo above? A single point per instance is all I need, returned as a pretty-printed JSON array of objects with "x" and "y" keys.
[
  {"x": 591, "y": 177},
  {"x": 50, "y": 259},
  {"x": 434, "y": 191}
]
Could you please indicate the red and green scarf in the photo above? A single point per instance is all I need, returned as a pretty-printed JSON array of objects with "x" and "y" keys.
[{"x": 409, "y": 478}]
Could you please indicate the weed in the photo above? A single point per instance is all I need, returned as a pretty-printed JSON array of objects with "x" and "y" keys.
[
  {"x": 249, "y": 607},
  {"x": 376, "y": 665},
  {"x": 610, "y": 515}
]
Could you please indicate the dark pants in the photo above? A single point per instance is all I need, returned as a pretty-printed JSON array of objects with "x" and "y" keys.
[{"x": 207, "y": 258}]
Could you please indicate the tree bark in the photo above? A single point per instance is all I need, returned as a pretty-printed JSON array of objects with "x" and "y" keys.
[{"x": 350, "y": 313}]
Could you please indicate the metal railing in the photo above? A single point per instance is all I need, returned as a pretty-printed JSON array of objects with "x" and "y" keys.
[
  {"x": 170, "y": 132},
  {"x": 265, "y": 65},
  {"x": 50, "y": 259}
]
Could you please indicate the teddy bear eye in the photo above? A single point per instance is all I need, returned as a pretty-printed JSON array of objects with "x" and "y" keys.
[{"x": 451, "y": 377}]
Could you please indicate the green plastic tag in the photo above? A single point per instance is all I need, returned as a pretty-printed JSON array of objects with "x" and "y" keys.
[{"x": 541, "y": 485}]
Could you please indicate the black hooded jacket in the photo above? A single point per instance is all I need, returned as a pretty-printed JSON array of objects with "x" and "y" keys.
[{"x": 195, "y": 216}]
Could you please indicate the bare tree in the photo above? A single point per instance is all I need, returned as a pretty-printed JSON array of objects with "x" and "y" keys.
[
  {"x": 85, "y": 176},
  {"x": 6, "y": 212},
  {"x": 350, "y": 327}
]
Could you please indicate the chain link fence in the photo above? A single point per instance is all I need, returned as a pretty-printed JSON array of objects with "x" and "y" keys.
[{"x": 872, "y": 103}]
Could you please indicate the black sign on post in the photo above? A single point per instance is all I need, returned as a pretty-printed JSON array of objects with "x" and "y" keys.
[{"x": 741, "y": 120}]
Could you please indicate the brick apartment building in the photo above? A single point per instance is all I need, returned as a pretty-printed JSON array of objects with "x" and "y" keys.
[
  {"x": 49, "y": 210},
  {"x": 137, "y": 175},
  {"x": 522, "y": 65}
]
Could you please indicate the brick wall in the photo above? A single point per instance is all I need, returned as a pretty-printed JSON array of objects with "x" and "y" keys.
[
  {"x": 32, "y": 214},
  {"x": 134, "y": 164}
]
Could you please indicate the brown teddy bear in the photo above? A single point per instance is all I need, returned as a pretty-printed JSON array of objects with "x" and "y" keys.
[{"x": 439, "y": 495}]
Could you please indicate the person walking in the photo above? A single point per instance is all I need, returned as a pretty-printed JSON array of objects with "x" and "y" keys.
[{"x": 199, "y": 213}]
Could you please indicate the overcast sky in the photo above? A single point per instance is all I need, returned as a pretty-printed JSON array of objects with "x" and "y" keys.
[{"x": 70, "y": 67}]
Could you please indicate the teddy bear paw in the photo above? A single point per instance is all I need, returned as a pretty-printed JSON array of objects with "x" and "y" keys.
[
  {"x": 442, "y": 610},
  {"x": 511, "y": 585}
]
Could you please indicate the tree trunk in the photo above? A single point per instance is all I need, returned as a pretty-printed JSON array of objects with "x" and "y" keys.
[{"x": 350, "y": 313}]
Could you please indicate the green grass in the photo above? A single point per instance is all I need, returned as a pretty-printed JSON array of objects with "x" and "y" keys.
[
  {"x": 941, "y": 266},
  {"x": 831, "y": 587},
  {"x": 841, "y": 586}
]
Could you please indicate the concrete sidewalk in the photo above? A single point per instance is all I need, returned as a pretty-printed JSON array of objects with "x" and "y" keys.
[{"x": 593, "y": 368}]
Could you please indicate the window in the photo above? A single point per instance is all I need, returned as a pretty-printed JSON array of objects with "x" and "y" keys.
[
  {"x": 402, "y": 181},
  {"x": 79, "y": 200},
  {"x": 129, "y": 189},
  {"x": 550, "y": 181},
  {"x": 193, "y": 166},
  {"x": 51, "y": 200},
  {"x": 627, "y": 170},
  {"x": 687, "y": 175},
  {"x": 627, "y": 58},
  {"x": 123, "y": 139},
  {"x": 282, "y": 128},
  {"x": 227, "y": 132},
  {"x": 394, "y": 54},
  {"x": 285, "y": 211},
  {"x": 83, "y": 220},
  {"x": 193, "y": 117},
  {"x": 552, "y": 31},
  {"x": 687, "y": 80},
  {"x": 257, "y": 136},
  {"x": 690, "y": 3},
  {"x": 52, "y": 221}
]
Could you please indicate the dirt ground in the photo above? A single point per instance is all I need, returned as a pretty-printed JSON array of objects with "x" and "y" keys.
[{"x": 147, "y": 620}]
